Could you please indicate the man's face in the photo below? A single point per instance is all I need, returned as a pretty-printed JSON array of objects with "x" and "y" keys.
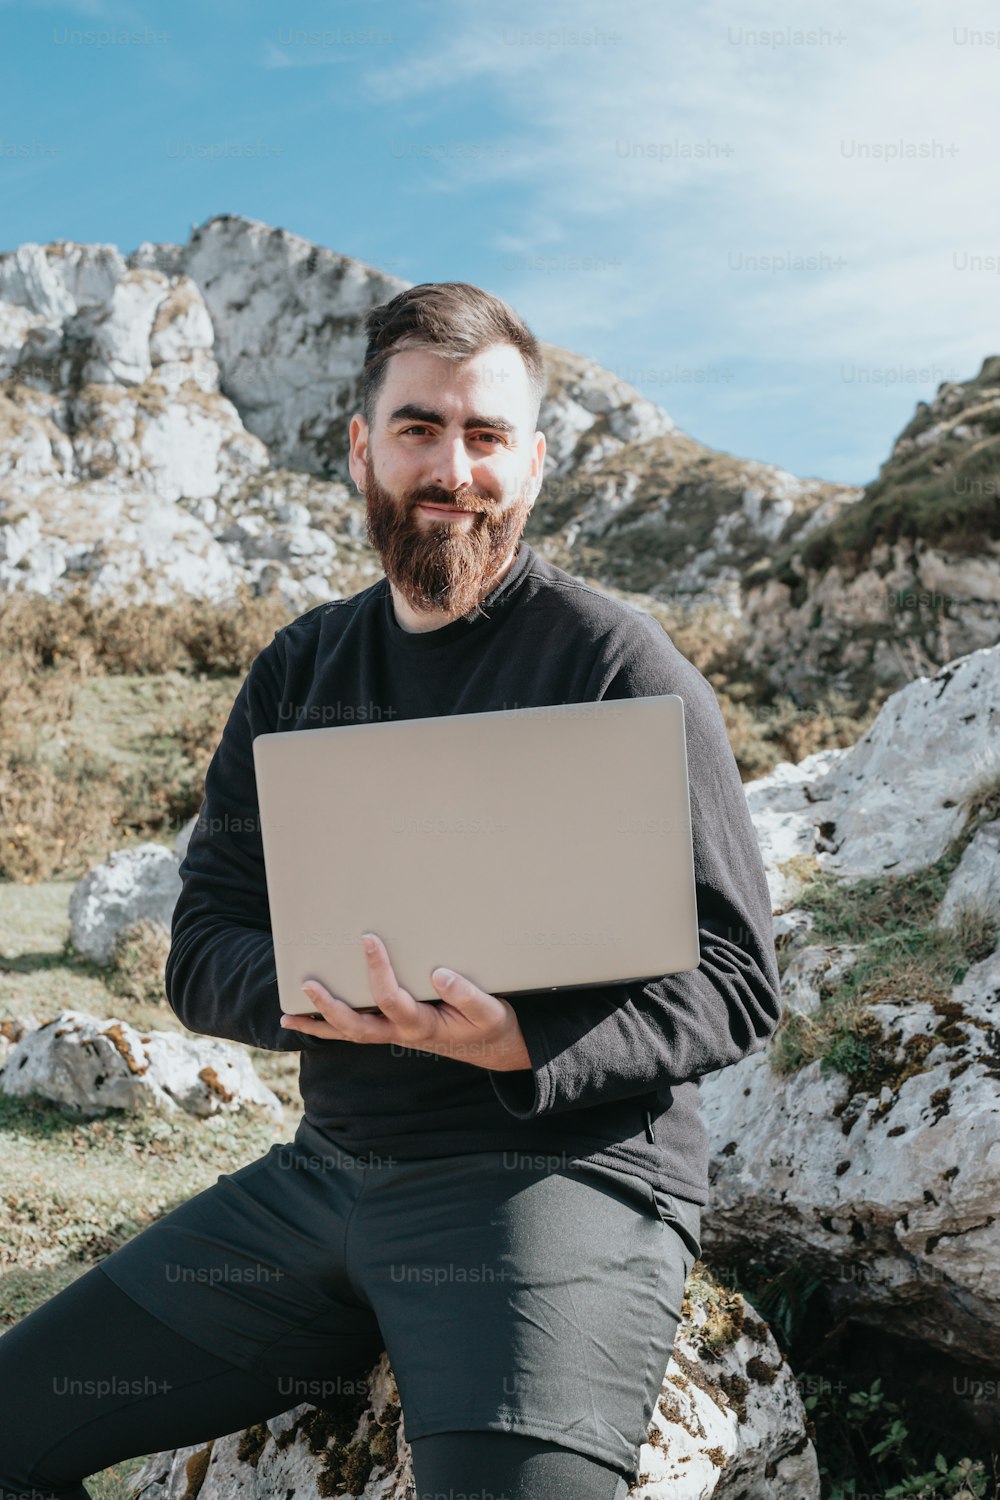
[{"x": 456, "y": 435}]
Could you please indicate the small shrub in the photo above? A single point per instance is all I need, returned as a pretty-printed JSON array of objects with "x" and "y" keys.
[{"x": 138, "y": 957}]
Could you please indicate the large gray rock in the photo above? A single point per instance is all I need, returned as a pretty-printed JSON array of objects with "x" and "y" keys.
[
  {"x": 890, "y": 1191},
  {"x": 288, "y": 318},
  {"x": 127, "y": 886},
  {"x": 782, "y": 811},
  {"x": 728, "y": 1424},
  {"x": 12, "y": 1029},
  {"x": 89, "y": 1065},
  {"x": 893, "y": 801}
]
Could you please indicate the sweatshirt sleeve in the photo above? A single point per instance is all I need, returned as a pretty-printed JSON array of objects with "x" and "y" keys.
[
  {"x": 220, "y": 976},
  {"x": 613, "y": 1041}
]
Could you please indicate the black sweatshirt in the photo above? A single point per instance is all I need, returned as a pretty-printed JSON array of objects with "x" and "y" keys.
[{"x": 614, "y": 1068}]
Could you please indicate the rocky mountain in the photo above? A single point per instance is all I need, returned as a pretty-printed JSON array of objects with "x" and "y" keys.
[
  {"x": 175, "y": 421},
  {"x": 906, "y": 579}
]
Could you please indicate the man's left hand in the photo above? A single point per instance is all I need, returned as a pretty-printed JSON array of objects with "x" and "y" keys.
[{"x": 468, "y": 1024}]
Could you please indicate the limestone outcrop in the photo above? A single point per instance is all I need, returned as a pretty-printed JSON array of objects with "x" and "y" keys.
[{"x": 89, "y": 1065}]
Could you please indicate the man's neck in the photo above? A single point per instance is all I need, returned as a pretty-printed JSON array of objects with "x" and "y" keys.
[{"x": 415, "y": 621}]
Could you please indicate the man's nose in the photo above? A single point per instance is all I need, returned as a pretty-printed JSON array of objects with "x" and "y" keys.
[{"x": 451, "y": 469}]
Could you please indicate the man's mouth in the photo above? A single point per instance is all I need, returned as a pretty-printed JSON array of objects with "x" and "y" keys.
[{"x": 443, "y": 510}]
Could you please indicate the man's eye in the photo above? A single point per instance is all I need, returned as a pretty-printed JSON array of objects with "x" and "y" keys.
[{"x": 491, "y": 436}]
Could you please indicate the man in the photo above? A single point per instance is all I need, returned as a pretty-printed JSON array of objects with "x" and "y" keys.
[{"x": 504, "y": 1194}]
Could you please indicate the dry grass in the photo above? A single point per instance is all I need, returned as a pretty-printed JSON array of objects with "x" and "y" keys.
[
  {"x": 764, "y": 733},
  {"x": 110, "y": 713},
  {"x": 102, "y": 635},
  {"x": 108, "y": 718}
]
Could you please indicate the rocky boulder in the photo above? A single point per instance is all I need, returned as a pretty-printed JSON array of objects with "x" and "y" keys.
[
  {"x": 896, "y": 799},
  {"x": 975, "y": 882},
  {"x": 124, "y": 888},
  {"x": 886, "y": 1186},
  {"x": 893, "y": 801},
  {"x": 89, "y": 1065},
  {"x": 12, "y": 1030}
]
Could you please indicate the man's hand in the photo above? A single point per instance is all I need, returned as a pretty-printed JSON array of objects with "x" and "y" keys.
[{"x": 468, "y": 1024}]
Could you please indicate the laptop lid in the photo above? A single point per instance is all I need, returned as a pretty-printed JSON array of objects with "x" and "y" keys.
[{"x": 529, "y": 849}]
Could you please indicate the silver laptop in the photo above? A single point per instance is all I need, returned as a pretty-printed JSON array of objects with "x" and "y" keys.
[{"x": 530, "y": 849}]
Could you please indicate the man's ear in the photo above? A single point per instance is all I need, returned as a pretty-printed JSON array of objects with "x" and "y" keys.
[
  {"x": 542, "y": 447},
  {"x": 358, "y": 444}
]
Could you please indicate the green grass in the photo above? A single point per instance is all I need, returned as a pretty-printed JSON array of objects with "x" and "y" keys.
[
  {"x": 946, "y": 498},
  {"x": 115, "y": 1483}
]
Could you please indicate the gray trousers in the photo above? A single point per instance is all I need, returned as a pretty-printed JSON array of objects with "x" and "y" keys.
[{"x": 513, "y": 1293}]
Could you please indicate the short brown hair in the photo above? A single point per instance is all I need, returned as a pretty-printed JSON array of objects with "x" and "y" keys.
[{"x": 452, "y": 318}]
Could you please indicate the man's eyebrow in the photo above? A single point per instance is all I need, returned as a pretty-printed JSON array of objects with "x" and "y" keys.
[{"x": 411, "y": 412}]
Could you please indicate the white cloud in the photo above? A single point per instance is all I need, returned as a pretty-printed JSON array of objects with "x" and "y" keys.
[
  {"x": 274, "y": 57},
  {"x": 319, "y": 55},
  {"x": 795, "y": 118}
]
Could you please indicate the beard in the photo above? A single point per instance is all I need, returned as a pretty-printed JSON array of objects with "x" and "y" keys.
[{"x": 442, "y": 564}]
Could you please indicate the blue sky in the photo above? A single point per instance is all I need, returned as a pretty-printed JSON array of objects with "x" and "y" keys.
[{"x": 779, "y": 221}]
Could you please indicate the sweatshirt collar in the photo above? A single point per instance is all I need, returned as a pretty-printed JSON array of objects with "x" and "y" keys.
[{"x": 456, "y": 631}]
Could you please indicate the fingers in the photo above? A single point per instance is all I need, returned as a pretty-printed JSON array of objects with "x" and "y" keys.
[
  {"x": 395, "y": 1002},
  {"x": 475, "y": 1005},
  {"x": 403, "y": 1019},
  {"x": 466, "y": 1018},
  {"x": 341, "y": 1022}
]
